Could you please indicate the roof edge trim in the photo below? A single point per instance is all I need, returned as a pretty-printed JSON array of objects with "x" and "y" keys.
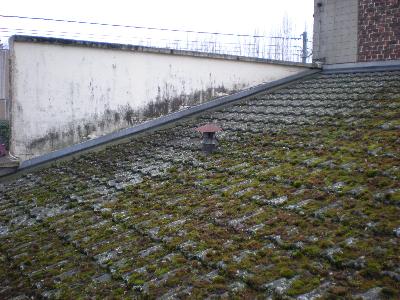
[
  {"x": 144, "y": 49},
  {"x": 161, "y": 121},
  {"x": 372, "y": 66}
]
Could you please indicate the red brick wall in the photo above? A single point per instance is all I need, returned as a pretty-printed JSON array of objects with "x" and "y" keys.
[{"x": 378, "y": 30}]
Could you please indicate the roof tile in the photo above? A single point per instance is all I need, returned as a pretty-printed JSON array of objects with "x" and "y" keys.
[{"x": 300, "y": 200}]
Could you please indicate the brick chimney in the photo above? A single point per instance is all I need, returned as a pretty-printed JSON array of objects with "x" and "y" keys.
[{"x": 378, "y": 30}]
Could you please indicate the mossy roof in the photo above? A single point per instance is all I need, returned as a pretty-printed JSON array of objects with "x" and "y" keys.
[{"x": 301, "y": 200}]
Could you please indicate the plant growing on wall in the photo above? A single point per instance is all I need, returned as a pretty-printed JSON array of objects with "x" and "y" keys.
[{"x": 4, "y": 132}]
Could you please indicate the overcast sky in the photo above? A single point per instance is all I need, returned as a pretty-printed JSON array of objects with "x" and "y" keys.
[{"x": 205, "y": 15}]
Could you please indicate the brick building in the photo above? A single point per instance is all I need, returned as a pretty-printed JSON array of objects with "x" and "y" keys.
[{"x": 348, "y": 31}]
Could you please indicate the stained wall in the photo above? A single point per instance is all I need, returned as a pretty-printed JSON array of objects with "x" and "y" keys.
[{"x": 63, "y": 93}]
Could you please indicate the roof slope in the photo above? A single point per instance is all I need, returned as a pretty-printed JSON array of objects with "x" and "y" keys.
[{"x": 301, "y": 200}]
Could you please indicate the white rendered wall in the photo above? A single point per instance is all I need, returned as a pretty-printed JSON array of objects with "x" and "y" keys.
[{"x": 64, "y": 94}]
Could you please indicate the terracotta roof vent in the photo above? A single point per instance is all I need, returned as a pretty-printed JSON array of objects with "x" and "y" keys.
[{"x": 210, "y": 141}]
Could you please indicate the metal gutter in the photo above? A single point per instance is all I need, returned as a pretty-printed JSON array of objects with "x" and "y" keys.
[
  {"x": 152, "y": 124},
  {"x": 373, "y": 66}
]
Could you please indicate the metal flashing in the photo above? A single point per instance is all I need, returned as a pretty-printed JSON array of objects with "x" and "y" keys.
[
  {"x": 373, "y": 66},
  {"x": 161, "y": 121}
]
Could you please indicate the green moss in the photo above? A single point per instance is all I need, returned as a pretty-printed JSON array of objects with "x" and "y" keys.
[
  {"x": 286, "y": 272},
  {"x": 5, "y": 132},
  {"x": 326, "y": 243},
  {"x": 390, "y": 293},
  {"x": 136, "y": 279},
  {"x": 297, "y": 254},
  {"x": 302, "y": 286},
  {"x": 161, "y": 271},
  {"x": 336, "y": 291},
  {"x": 312, "y": 251},
  {"x": 219, "y": 279},
  {"x": 372, "y": 173},
  {"x": 173, "y": 281},
  {"x": 297, "y": 184},
  {"x": 372, "y": 270},
  {"x": 146, "y": 202}
]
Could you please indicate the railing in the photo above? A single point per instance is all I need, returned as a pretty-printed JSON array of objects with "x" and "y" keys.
[{"x": 283, "y": 48}]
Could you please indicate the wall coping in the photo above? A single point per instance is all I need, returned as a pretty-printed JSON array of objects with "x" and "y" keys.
[{"x": 144, "y": 49}]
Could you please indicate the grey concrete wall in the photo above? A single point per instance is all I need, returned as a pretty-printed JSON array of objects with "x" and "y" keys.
[
  {"x": 65, "y": 92},
  {"x": 335, "y": 31},
  {"x": 4, "y": 85}
]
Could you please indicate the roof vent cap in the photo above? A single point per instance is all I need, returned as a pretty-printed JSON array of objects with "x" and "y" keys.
[{"x": 209, "y": 142}]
